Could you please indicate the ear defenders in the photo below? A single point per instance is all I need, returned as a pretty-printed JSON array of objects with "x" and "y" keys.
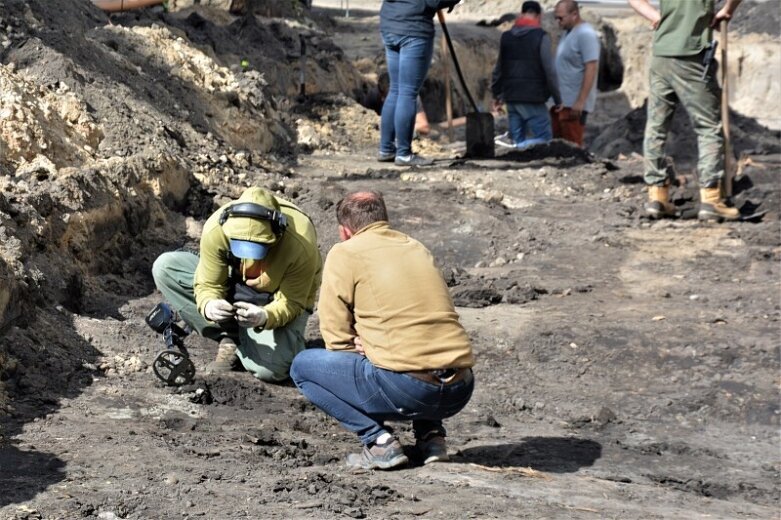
[{"x": 251, "y": 210}]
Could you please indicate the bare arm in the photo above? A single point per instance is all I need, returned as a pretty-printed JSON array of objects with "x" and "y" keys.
[
  {"x": 647, "y": 11},
  {"x": 585, "y": 88},
  {"x": 726, "y": 12}
]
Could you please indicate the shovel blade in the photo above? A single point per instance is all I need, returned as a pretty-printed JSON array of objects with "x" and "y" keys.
[{"x": 480, "y": 135}]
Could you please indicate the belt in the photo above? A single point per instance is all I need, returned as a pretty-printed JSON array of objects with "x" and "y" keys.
[{"x": 445, "y": 376}]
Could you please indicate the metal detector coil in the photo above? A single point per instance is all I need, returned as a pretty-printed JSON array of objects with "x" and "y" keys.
[{"x": 172, "y": 366}]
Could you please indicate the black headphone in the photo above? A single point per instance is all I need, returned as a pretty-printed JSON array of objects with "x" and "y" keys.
[{"x": 258, "y": 212}]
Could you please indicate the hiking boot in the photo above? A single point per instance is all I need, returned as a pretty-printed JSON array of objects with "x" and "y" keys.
[
  {"x": 386, "y": 156},
  {"x": 504, "y": 140},
  {"x": 226, "y": 359},
  {"x": 432, "y": 449},
  {"x": 413, "y": 160},
  {"x": 658, "y": 205},
  {"x": 714, "y": 207},
  {"x": 379, "y": 456}
]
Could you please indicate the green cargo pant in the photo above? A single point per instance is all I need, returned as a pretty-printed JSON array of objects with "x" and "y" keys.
[
  {"x": 267, "y": 354},
  {"x": 676, "y": 80}
]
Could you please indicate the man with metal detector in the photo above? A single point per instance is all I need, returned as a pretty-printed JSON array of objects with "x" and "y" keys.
[
  {"x": 682, "y": 71},
  {"x": 253, "y": 285}
]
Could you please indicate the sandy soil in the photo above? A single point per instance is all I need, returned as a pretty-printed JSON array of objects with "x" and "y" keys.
[{"x": 626, "y": 368}]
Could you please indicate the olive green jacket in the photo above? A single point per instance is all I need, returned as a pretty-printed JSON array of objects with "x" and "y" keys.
[{"x": 291, "y": 270}]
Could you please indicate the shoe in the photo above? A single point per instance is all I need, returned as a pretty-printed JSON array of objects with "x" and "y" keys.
[
  {"x": 433, "y": 449},
  {"x": 504, "y": 140},
  {"x": 714, "y": 207},
  {"x": 658, "y": 205},
  {"x": 386, "y": 156},
  {"x": 379, "y": 456},
  {"x": 226, "y": 359},
  {"x": 413, "y": 160}
]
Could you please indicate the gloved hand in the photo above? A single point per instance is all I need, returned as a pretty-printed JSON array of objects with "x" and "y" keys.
[
  {"x": 219, "y": 310},
  {"x": 249, "y": 315}
]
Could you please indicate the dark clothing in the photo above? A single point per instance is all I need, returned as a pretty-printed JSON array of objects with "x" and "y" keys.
[
  {"x": 411, "y": 17},
  {"x": 524, "y": 71}
]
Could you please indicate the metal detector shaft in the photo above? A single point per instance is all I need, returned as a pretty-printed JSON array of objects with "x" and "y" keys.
[{"x": 441, "y": 17}]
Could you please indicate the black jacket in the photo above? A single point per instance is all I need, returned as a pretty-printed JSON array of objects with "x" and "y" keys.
[{"x": 524, "y": 71}]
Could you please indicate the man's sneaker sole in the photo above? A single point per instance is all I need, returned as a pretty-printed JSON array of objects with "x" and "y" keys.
[{"x": 386, "y": 158}]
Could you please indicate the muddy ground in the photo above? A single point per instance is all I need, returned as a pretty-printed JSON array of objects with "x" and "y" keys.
[{"x": 626, "y": 368}]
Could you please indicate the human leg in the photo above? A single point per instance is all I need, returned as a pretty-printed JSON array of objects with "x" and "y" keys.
[
  {"x": 515, "y": 123},
  {"x": 662, "y": 100},
  {"x": 413, "y": 64},
  {"x": 570, "y": 127},
  {"x": 268, "y": 354},
  {"x": 388, "y": 114},
  {"x": 538, "y": 123},
  {"x": 173, "y": 273}
]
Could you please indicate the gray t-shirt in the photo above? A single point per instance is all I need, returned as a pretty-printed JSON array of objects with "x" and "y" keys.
[{"x": 576, "y": 48}]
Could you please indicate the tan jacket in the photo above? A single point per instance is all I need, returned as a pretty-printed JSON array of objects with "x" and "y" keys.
[{"x": 384, "y": 287}]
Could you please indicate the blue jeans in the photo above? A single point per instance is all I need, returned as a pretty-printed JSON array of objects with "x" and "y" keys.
[
  {"x": 523, "y": 118},
  {"x": 408, "y": 58},
  {"x": 346, "y": 386}
]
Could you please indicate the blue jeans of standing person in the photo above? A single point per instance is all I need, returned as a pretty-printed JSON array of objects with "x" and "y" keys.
[
  {"x": 524, "y": 118},
  {"x": 361, "y": 396},
  {"x": 408, "y": 58}
]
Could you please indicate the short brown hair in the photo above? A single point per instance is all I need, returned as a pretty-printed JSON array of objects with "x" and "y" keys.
[{"x": 360, "y": 208}]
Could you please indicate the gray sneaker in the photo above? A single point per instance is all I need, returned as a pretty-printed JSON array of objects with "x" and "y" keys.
[
  {"x": 433, "y": 449},
  {"x": 413, "y": 160},
  {"x": 504, "y": 140},
  {"x": 379, "y": 456},
  {"x": 386, "y": 156}
]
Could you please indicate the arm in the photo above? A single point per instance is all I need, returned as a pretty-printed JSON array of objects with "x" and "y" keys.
[
  {"x": 585, "y": 88},
  {"x": 647, "y": 11},
  {"x": 294, "y": 289},
  {"x": 211, "y": 274},
  {"x": 726, "y": 12},
  {"x": 337, "y": 301},
  {"x": 551, "y": 77},
  {"x": 496, "y": 81}
]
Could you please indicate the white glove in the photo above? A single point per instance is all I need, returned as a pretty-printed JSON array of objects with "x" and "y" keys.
[
  {"x": 219, "y": 310},
  {"x": 250, "y": 316}
]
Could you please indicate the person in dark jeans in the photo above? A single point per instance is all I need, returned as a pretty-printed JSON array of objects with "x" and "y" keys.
[
  {"x": 395, "y": 350},
  {"x": 407, "y": 29}
]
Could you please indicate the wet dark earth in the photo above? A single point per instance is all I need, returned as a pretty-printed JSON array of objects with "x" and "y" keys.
[{"x": 626, "y": 368}]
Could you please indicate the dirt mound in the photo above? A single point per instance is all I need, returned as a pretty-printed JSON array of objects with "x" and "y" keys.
[{"x": 625, "y": 136}]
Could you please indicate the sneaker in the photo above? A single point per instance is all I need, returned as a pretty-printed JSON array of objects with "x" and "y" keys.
[
  {"x": 226, "y": 358},
  {"x": 386, "y": 156},
  {"x": 413, "y": 160},
  {"x": 505, "y": 140},
  {"x": 433, "y": 449},
  {"x": 379, "y": 456}
]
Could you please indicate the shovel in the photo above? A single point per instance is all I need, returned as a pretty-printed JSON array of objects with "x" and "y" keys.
[
  {"x": 729, "y": 159},
  {"x": 479, "y": 125}
]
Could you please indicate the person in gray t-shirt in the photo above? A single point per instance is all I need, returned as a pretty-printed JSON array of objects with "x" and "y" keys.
[{"x": 577, "y": 62}]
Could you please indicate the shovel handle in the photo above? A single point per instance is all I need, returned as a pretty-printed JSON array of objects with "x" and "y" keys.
[{"x": 441, "y": 16}]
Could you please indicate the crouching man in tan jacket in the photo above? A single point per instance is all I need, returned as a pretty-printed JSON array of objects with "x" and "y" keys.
[{"x": 395, "y": 349}]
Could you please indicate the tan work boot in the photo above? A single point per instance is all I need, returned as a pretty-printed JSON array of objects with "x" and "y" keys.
[
  {"x": 714, "y": 207},
  {"x": 226, "y": 359},
  {"x": 659, "y": 205}
]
